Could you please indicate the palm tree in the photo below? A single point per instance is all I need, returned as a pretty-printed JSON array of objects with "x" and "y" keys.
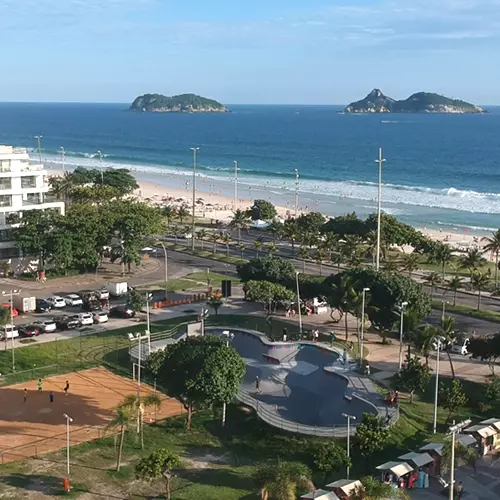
[
  {"x": 320, "y": 258},
  {"x": 304, "y": 254},
  {"x": 423, "y": 339},
  {"x": 214, "y": 238},
  {"x": 309, "y": 239},
  {"x": 201, "y": 235},
  {"x": 280, "y": 481},
  {"x": 479, "y": 282},
  {"x": 391, "y": 265},
  {"x": 240, "y": 221},
  {"x": 455, "y": 284},
  {"x": 337, "y": 259},
  {"x": 472, "y": 260},
  {"x": 344, "y": 298},
  {"x": 275, "y": 228},
  {"x": 62, "y": 187},
  {"x": 138, "y": 405},
  {"x": 493, "y": 246},
  {"x": 410, "y": 262},
  {"x": 122, "y": 421},
  {"x": 169, "y": 213},
  {"x": 272, "y": 248},
  {"x": 371, "y": 246},
  {"x": 258, "y": 244},
  {"x": 331, "y": 243},
  {"x": 350, "y": 246},
  {"x": 291, "y": 231},
  {"x": 182, "y": 213},
  {"x": 241, "y": 248},
  {"x": 226, "y": 239},
  {"x": 443, "y": 255},
  {"x": 432, "y": 280}
]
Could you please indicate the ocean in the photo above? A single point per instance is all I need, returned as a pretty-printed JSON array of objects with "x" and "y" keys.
[{"x": 440, "y": 170}]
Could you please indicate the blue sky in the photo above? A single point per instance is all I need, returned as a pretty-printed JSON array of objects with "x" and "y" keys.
[{"x": 248, "y": 51}]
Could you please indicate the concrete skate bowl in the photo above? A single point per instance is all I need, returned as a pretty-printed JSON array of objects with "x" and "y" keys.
[{"x": 304, "y": 387}]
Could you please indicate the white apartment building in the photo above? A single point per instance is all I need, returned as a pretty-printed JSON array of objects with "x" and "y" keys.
[{"x": 23, "y": 187}]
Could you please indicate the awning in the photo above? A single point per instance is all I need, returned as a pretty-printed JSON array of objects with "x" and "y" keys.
[
  {"x": 347, "y": 486},
  {"x": 321, "y": 495},
  {"x": 484, "y": 431},
  {"x": 437, "y": 447},
  {"x": 398, "y": 468},
  {"x": 466, "y": 439},
  {"x": 494, "y": 422},
  {"x": 419, "y": 459}
]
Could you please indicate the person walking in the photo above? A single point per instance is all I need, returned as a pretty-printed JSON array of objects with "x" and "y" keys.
[
  {"x": 40, "y": 384},
  {"x": 66, "y": 388},
  {"x": 51, "y": 397},
  {"x": 25, "y": 394},
  {"x": 257, "y": 384},
  {"x": 460, "y": 489}
]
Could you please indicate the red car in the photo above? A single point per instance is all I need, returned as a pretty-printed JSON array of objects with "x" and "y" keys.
[
  {"x": 15, "y": 312},
  {"x": 29, "y": 330}
]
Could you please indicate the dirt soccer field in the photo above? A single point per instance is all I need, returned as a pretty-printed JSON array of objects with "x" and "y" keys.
[{"x": 35, "y": 426}]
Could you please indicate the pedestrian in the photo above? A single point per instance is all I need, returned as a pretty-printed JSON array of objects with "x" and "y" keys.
[
  {"x": 39, "y": 384},
  {"x": 25, "y": 395},
  {"x": 66, "y": 388},
  {"x": 51, "y": 397},
  {"x": 257, "y": 384},
  {"x": 460, "y": 489}
]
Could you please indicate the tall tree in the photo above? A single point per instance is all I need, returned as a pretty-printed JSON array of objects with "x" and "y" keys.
[
  {"x": 239, "y": 221},
  {"x": 269, "y": 294},
  {"x": 169, "y": 212},
  {"x": 214, "y": 238},
  {"x": 122, "y": 420},
  {"x": 371, "y": 435},
  {"x": 270, "y": 268},
  {"x": 182, "y": 213},
  {"x": 271, "y": 249},
  {"x": 304, "y": 255},
  {"x": 432, "y": 280},
  {"x": 410, "y": 262},
  {"x": 262, "y": 210},
  {"x": 276, "y": 229},
  {"x": 479, "y": 282},
  {"x": 493, "y": 246},
  {"x": 453, "y": 397},
  {"x": 414, "y": 376},
  {"x": 201, "y": 234},
  {"x": 442, "y": 254},
  {"x": 291, "y": 231},
  {"x": 448, "y": 332},
  {"x": 138, "y": 405},
  {"x": 472, "y": 260},
  {"x": 199, "y": 372},
  {"x": 344, "y": 298},
  {"x": 330, "y": 457},
  {"x": 226, "y": 239},
  {"x": 423, "y": 339},
  {"x": 320, "y": 259},
  {"x": 455, "y": 284},
  {"x": 258, "y": 244}
]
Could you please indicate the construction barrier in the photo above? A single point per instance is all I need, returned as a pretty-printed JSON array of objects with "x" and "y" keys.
[{"x": 197, "y": 297}]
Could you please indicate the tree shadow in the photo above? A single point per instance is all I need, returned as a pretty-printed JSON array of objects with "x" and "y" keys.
[
  {"x": 41, "y": 483},
  {"x": 220, "y": 478}
]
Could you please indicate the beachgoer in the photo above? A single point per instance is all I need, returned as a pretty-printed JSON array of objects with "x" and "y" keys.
[
  {"x": 460, "y": 489},
  {"x": 25, "y": 393},
  {"x": 39, "y": 384},
  {"x": 66, "y": 388},
  {"x": 257, "y": 384},
  {"x": 51, "y": 397}
]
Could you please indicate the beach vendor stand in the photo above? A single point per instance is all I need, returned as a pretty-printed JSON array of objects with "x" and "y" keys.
[
  {"x": 320, "y": 495},
  {"x": 396, "y": 473},
  {"x": 344, "y": 488},
  {"x": 495, "y": 423},
  {"x": 466, "y": 440},
  {"x": 421, "y": 461},
  {"x": 484, "y": 435},
  {"x": 435, "y": 450}
]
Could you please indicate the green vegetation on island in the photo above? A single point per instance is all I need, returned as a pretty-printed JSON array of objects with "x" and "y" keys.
[
  {"x": 184, "y": 103},
  {"x": 421, "y": 102}
]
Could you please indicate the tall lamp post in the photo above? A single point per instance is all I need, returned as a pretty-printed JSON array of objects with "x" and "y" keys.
[
  {"x": 235, "y": 185},
  {"x": 346, "y": 415},
  {"x": 139, "y": 338},
  {"x": 11, "y": 294},
  {"x": 453, "y": 430},
  {"x": 195, "y": 151},
  {"x": 69, "y": 420},
  {"x": 362, "y": 336},
  {"x": 230, "y": 337},
  {"x": 296, "y": 193},
  {"x": 438, "y": 339},
  {"x": 100, "y": 164},
  {"x": 63, "y": 159},
  {"x": 39, "y": 142},
  {"x": 298, "y": 302},
  {"x": 166, "y": 268},
  {"x": 380, "y": 161},
  {"x": 401, "y": 318}
]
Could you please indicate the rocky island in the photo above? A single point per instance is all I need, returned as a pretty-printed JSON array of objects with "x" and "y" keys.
[
  {"x": 184, "y": 103},
  {"x": 421, "y": 102}
]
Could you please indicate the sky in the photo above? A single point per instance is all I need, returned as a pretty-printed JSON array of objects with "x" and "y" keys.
[{"x": 249, "y": 51}]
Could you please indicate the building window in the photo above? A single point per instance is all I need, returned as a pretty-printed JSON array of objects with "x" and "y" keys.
[
  {"x": 5, "y": 200},
  {"x": 6, "y": 235},
  {"x": 4, "y": 165},
  {"x": 28, "y": 182},
  {"x": 6, "y": 183}
]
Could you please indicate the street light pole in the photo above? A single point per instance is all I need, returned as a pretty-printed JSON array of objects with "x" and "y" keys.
[
  {"x": 380, "y": 161},
  {"x": 68, "y": 421},
  {"x": 362, "y": 336},
  {"x": 346, "y": 415},
  {"x": 194, "y": 150},
  {"x": 453, "y": 430},
  {"x": 296, "y": 192},
  {"x": 298, "y": 302},
  {"x": 100, "y": 163},
  {"x": 166, "y": 268},
  {"x": 436, "y": 389},
  {"x": 402, "y": 312},
  {"x": 235, "y": 185},
  {"x": 63, "y": 159},
  {"x": 39, "y": 139}
]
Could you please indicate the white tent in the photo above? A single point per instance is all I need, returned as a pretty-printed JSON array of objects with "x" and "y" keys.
[
  {"x": 419, "y": 459},
  {"x": 321, "y": 495},
  {"x": 494, "y": 422},
  {"x": 436, "y": 447},
  {"x": 482, "y": 430},
  {"x": 346, "y": 486},
  {"x": 397, "y": 468},
  {"x": 466, "y": 439}
]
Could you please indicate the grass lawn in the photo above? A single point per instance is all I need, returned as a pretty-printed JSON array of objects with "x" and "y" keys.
[{"x": 492, "y": 316}]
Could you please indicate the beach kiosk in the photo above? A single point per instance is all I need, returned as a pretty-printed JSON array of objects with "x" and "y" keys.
[
  {"x": 397, "y": 472},
  {"x": 321, "y": 495},
  {"x": 422, "y": 463},
  {"x": 344, "y": 488},
  {"x": 495, "y": 423},
  {"x": 435, "y": 450},
  {"x": 466, "y": 439},
  {"x": 484, "y": 435}
]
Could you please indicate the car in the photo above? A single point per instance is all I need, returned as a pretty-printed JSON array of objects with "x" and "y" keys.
[
  {"x": 73, "y": 300},
  {"x": 29, "y": 330},
  {"x": 121, "y": 312},
  {"x": 460, "y": 346},
  {"x": 47, "y": 326},
  {"x": 100, "y": 317},
  {"x": 42, "y": 306},
  {"x": 67, "y": 323},
  {"x": 56, "y": 301},
  {"x": 85, "y": 319},
  {"x": 9, "y": 332},
  {"x": 15, "y": 312},
  {"x": 102, "y": 294}
]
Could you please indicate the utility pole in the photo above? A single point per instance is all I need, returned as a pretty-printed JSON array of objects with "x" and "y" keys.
[
  {"x": 298, "y": 302},
  {"x": 436, "y": 389},
  {"x": 296, "y": 193},
  {"x": 195, "y": 151},
  {"x": 346, "y": 415},
  {"x": 166, "y": 268},
  {"x": 402, "y": 313},
  {"x": 453, "y": 430},
  {"x": 69, "y": 420},
  {"x": 380, "y": 161},
  {"x": 39, "y": 140},
  {"x": 235, "y": 186},
  {"x": 362, "y": 336}
]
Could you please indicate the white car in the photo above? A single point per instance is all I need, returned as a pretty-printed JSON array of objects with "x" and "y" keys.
[
  {"x": 9, "y": 332},
  {"x": 103, "y": 294},
  {"x": 56, "y": 301},
  {"x": 48, "y": 325},
  {"x": 73, "y": 300},
  {"x": 100, "y": 317},
  {"x": 460, "y": 347},
  {"x": 85, "y": 319}
]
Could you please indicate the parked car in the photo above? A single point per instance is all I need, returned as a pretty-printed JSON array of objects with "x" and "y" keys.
[
  {"x": 73, "y": 300},
  {"x": 460, "y": 346},
  {"x": 9, "y": 332},
  {"x": 103, "y": 294},
  {"x": 56, "y": 301},
  {"x": 67, "y": 323},
  {"x": 15, "y": 312},
  {"x": 29, "y": 330},
  {"x": 100, "y": 317},
  {"x": 85, "y": 319},
  {"x": 47, "y": 326},
  {"x": 43, "y": 306},
  {"x": 121, "y": 312}
]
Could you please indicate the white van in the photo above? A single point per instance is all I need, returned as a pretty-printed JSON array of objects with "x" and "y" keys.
[
  {"x": 9, "y": 332},
  {"x": 460, "y": 346}
]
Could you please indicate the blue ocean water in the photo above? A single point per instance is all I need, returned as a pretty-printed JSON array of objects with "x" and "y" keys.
[{"x": 440, "y": 170}]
